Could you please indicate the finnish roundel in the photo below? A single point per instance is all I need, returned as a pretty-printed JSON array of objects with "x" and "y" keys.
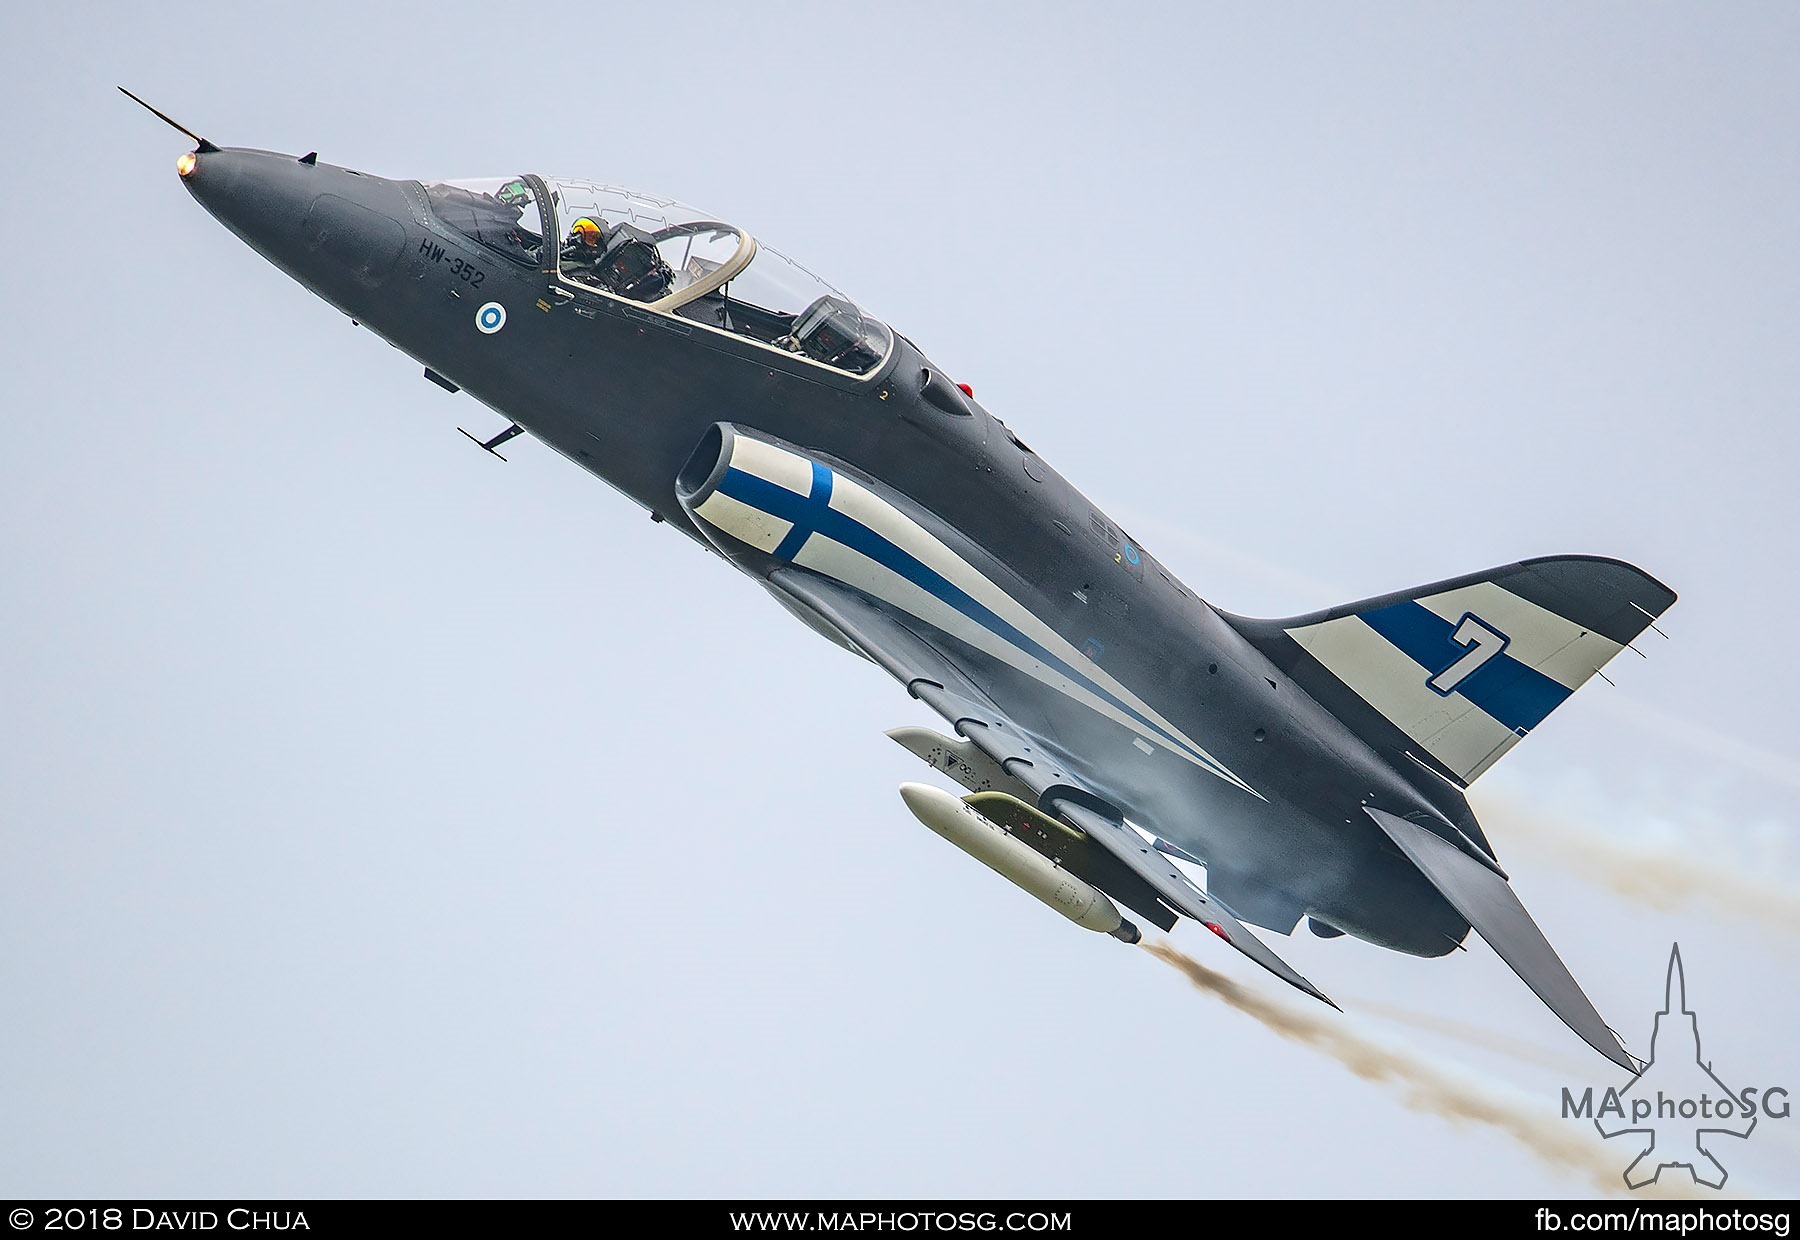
[{"x": 490, "y": 318}]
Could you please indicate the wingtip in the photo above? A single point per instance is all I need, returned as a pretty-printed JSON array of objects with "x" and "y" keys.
[
  {"x": 1619, "y": 1055},
  {"x": 1305, "y": 987}
]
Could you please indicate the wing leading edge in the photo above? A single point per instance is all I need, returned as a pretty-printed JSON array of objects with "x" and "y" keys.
[{"x": 934, "y": 677}]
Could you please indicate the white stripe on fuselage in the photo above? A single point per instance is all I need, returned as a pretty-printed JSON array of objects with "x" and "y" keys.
[
  {"x": 868, "y": 509},
  {"x": 825, "y": 555}
]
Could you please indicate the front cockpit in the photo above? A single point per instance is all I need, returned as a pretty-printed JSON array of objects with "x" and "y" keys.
[
  {"x": 500, "y": 212},
  {"x": 667, "y": 258}
]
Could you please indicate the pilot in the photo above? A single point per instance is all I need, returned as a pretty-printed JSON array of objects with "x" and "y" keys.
[
  {"x": 583, "y": 249},
  {"x": 833, "y": 331},
  {"x": 631, "y": 265},
  {"x": 621, "y": 259},
  {"x": 525, "y": 241}
]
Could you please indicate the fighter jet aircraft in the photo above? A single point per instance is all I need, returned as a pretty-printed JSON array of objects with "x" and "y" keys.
[{"x": 1107, "y": 721}]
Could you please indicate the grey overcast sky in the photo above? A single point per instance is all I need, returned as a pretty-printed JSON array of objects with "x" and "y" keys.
[{"x": 379, "y": 819}]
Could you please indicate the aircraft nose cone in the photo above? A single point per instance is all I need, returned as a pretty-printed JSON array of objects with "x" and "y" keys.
[
  {"x": 259, "y": 195},
  {"x": 338, "y": 232}
]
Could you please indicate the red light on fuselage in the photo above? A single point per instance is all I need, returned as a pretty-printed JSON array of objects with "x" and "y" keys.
[
  {"x": 1214, "y": 927},
  {"x": 967, "y": 390}
]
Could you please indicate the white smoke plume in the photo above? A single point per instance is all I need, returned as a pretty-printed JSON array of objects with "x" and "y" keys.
[
  {"x": 1714, "y": 744},
  {"x": 1665, "y": 876},
  {"x": 1472, "y": 1035},
  {"x": 1432, "y": 1088}
]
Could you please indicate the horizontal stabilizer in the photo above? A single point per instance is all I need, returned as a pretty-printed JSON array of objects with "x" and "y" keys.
[{"x": 1487, "y": 902}]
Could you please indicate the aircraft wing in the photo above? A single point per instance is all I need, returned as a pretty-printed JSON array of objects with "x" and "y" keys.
[{"x": 932, "y": 674}]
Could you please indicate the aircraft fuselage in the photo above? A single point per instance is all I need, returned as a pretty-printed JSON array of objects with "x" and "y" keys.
[{"x": 628, "y": 393}]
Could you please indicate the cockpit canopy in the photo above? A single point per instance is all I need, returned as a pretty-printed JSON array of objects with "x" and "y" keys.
[{"x": 667, "y": 257}]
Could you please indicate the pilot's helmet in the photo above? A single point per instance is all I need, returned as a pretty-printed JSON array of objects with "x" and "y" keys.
[{"x": 585, "y": 230}]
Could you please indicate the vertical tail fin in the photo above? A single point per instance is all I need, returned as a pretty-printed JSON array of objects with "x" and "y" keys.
[{"x": 1456, "y": 673}]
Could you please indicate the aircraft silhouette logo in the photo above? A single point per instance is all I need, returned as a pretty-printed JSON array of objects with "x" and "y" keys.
[{"x": 1677, "y": 1091}]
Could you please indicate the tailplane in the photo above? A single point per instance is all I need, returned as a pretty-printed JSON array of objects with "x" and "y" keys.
[
  {"x": 1456, "y": 673},
  {"x": 1487, "y": 901}
]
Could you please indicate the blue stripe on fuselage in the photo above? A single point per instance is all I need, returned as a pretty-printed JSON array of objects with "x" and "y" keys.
[
  {"x": 809, "y": 517},
  {"x": 1515, "y": 694}
]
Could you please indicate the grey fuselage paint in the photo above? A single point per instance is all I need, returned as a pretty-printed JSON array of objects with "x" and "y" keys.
[{"x": 627, "y": 394}]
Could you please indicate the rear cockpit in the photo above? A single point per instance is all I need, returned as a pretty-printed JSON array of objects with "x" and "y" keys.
[{"x": 666, "y": 257}]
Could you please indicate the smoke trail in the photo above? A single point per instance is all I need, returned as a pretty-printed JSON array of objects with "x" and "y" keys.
[
  {"x": 1714, "y": 744},
  {"x": 1424, "y": 1086},
  {"x": 1526, "y": 1052},
  {"x": 1471, "y": 1035},
  {"x": 1662, "y": 879}
]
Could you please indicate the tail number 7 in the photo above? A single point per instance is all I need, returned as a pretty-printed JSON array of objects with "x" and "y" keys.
[{"x": 1483, "y": 643}]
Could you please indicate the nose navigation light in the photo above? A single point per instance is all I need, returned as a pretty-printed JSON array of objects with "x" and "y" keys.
[{"x": 184, "y": 166}]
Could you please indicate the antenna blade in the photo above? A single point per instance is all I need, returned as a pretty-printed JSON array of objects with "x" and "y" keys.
[{"x": 168, "y": 120}]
